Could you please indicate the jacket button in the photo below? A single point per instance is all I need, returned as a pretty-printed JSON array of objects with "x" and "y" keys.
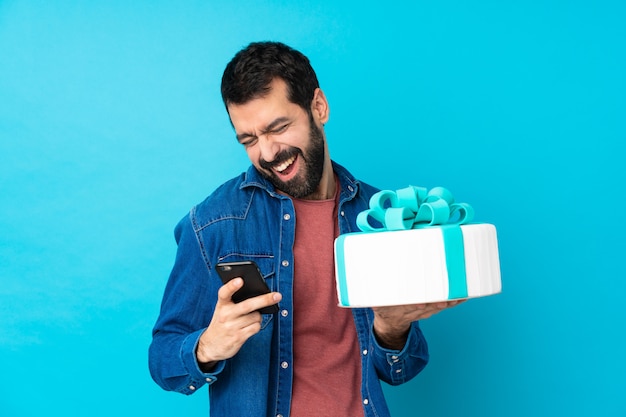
[
  {"x": 284, "y": 365},
  {"x": 287, "y": 216},
  {"x": 285, "y": 263}
]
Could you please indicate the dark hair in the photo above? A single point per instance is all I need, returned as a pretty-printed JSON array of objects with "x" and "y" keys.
[{"x": 251, "y": 71}]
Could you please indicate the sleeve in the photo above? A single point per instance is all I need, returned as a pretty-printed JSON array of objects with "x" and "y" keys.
[
  {"x": 186, "y": 310},
  {"x": 396, "y": 367}
]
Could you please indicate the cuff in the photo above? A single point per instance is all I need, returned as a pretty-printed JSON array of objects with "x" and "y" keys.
[
  {"x": 197, "y": 378},
  {"x": 397, "y": 362}
]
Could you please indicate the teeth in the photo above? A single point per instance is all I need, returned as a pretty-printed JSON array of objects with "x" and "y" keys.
[{"x": 284, "y": 165}]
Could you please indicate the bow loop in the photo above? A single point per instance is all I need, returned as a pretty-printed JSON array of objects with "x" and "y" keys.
[{"x": 413, "y": 208}]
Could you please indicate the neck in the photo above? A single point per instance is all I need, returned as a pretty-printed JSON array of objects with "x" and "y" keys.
[{"x": 327, "y": 187}]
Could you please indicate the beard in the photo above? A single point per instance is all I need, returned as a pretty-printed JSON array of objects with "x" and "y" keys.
[{"x": 308, "y": 179}]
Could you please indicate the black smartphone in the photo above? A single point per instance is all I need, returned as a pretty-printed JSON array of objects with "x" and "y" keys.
[{"x": 253, "y": 282}]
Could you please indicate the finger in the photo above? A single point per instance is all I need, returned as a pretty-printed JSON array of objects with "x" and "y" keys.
[
  {"x": 227, "y": 290},
  {"x": 247, "y": 320},
  {"x": 253, "y": 327},
  {"x": 260, "y": 301},
  {"x": 223, "y": 338},
  {"x": 438, "y": 305}
]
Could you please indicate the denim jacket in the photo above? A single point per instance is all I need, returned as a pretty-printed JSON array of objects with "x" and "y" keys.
[{"x": 246, "y": 219}]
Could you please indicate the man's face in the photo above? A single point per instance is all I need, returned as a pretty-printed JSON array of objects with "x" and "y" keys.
[{"x": 282, "y": 140}]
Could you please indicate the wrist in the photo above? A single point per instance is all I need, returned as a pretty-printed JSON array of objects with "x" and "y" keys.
[
  {"x": 205, "y": 363},
  {"x": 391, "y": 338},
  {"x": 207, "y": 367}
]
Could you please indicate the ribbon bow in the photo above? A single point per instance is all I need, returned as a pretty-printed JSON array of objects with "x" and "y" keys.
[{"x": 413, "y": 208}]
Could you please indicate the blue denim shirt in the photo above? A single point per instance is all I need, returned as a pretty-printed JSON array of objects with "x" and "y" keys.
[{"x": 246, "y": 219}]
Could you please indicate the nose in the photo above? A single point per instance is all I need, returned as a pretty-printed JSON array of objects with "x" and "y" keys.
[{"x": 268, "y": 148}]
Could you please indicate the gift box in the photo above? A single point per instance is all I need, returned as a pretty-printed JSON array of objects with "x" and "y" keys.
[{"x": 416, "y": 246}]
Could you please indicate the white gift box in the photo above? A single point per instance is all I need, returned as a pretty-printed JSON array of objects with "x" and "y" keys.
[{"x": 430, "y": 264}]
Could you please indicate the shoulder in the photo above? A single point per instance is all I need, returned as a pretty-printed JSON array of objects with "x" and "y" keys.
[
  {"x": 231, "y": 189},
  {"x": 367, "y": 190},
  {"x": 363, "y": 189},
  {"x": 229, "y": 200},
  {"x": 233, "y": 200}
]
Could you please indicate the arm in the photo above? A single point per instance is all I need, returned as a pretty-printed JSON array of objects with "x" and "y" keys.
[
  {"x": 400, "y": 349},
  {"x": 186, "y": 353},
  {"x": 186, "y": 309}
]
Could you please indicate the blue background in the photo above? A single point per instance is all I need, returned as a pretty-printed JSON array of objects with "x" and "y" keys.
[{"x": 112, "y": 127}]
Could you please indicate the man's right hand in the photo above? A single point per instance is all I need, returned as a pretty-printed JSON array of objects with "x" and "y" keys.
[{"x": 232, "y": 324}]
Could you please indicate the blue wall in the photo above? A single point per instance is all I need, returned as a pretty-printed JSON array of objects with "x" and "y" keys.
[{"x": 111, "y": 127}]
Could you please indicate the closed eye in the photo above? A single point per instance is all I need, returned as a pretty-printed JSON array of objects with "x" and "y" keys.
[
  {"x": 279, "y": 130},
  {"x": 277, "y": 127},
  {"x": 247, "y": 140}
]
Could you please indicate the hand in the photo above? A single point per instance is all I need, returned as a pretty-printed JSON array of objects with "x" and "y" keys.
[
  {"x": 232, "y": 324},
  {"x": 392, "y": 323}
]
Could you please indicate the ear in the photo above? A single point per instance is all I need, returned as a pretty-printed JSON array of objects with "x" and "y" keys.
[{"x": 319, "y": 107}]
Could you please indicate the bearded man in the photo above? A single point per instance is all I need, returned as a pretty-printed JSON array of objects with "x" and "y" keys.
[{"x": 312, "y": 358}]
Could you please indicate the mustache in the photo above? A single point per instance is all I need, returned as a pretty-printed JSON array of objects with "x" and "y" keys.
[{"x": 280, "y": 157}]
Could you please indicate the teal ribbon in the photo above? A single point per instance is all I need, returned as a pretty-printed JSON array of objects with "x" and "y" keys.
[{"x": 415, "y": 208}]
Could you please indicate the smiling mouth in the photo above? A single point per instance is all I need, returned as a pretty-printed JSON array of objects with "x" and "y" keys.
[{"x": 283, "y": 167}]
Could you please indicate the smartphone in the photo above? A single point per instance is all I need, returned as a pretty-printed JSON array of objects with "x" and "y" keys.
[{"x": 253, "y": 282}]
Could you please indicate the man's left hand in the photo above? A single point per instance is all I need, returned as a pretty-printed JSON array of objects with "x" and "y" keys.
[{"x": 392, "y": 323}]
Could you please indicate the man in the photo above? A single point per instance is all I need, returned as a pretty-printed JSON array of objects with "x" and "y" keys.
[{"x": 312, "y": 358}]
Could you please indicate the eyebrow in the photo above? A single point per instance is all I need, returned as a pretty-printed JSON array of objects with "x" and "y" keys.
[{"x": 273, "y": 125}]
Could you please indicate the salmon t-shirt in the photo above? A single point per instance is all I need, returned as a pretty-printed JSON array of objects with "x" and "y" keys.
[{"x": 327, "y": 364}]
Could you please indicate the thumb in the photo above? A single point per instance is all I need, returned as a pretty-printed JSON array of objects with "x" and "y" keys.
[{"x": 227, "y": 290}]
